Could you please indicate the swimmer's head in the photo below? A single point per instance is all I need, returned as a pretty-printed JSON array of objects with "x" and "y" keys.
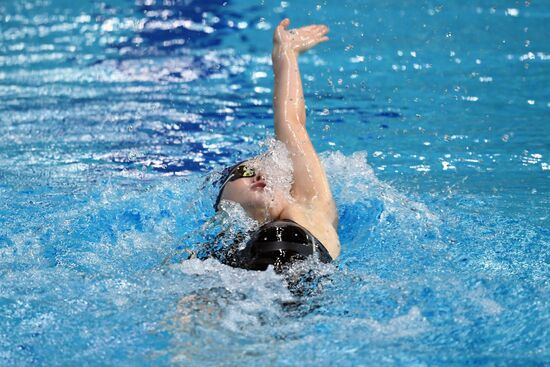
[{"x": 243, "y": 183}]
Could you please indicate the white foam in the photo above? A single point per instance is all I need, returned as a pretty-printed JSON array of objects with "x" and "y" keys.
[
  {"x": 355, "y": 180},
  {"x": 250, "y": 296}
]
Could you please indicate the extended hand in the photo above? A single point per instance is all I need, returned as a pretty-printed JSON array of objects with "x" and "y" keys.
[{"x": 300, "y": 39}]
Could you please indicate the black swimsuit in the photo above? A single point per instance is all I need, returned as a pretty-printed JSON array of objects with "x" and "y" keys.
[{"x": 277, "y": 243}]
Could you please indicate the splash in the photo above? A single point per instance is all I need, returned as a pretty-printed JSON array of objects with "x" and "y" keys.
[
  {"x": 276, "y": 164},
  {"x": 376, "y": 206}
]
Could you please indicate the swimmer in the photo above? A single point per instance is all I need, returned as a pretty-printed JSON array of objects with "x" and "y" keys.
[{"x": 305, "y": 222}]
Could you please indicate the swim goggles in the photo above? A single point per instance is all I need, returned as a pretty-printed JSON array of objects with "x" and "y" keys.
[{"x": 241, "y": 171}]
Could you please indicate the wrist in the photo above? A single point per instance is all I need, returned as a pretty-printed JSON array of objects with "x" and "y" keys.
[{"x": 281, "y": 56}]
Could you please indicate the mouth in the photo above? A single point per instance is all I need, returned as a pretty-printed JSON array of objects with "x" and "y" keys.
[{"x": 258, "y": 185}]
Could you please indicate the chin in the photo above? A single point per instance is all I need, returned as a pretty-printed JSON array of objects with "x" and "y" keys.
[
  {"x": 262, "y": 200},
  {"x": 260, "y": 205}
]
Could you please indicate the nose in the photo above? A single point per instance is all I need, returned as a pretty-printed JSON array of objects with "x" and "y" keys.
[{"x": 259, "y": 177}]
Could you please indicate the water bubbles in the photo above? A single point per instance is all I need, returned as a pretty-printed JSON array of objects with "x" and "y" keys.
[
  {"x": 234, "y": 219},
  {"x": 84, "y": 18},
  {"x": 447, "y": 166},
  {"x": 262, "y": 90},
  {"x": 259, "y": 75},
  {"x": 527, "y": 56},
  {"x": 110, "y": 24},
  {"x": 533, "y": 158},
  {"x": 424, "y": 168},
  {"x": 488, "y": 305},
  {"x": 513, "y": 12},
  {"x": 263, "y": 25}
]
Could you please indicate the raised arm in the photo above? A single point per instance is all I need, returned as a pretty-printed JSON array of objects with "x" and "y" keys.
[{"x": 310, "y": 182}]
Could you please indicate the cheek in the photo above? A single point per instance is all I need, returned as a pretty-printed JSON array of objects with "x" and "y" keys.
[{"x": 235, "y": 191}]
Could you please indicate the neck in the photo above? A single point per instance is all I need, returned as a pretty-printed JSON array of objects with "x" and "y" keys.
[
  {"x": 262, "y": 215},
  {"x": 265, "y": 214}
]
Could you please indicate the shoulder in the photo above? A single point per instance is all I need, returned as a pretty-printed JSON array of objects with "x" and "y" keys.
[{"x": 320, "y": 220}]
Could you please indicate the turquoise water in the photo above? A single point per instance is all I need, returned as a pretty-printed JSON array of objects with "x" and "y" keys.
[{"x": 433, "y": 124}]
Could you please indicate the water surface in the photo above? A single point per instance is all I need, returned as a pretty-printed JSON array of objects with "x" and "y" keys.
[{"x": 432, "y": 122}]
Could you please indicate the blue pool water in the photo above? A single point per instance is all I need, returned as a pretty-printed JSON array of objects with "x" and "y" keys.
[{"x": 432, "y": 120}]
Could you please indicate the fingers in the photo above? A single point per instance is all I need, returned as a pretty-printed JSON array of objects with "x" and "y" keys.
[
  {"x": 314, "y": 29},
  {"x": 323, "y": 39},
  {"x": 309, "y": 28},
  {"x": 312, "y": 43},
  {"x": 322, "y": 29},
  {"x": 284, "y": 23},
  {"x": 316, "y": 32},
  {"x": 316, "y": 41},
  {"x": 319, "y": 33}
]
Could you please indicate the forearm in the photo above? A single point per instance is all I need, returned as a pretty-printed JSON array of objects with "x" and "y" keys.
[
  {"x": 310, "y": 182},
  {"x": 288, "y": 95}
]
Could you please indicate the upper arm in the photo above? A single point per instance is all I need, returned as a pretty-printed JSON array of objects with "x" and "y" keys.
[{"x": 311, "y": 185}]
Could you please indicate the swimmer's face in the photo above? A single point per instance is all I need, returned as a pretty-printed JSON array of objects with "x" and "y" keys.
[{"x": 247, "y": 187}]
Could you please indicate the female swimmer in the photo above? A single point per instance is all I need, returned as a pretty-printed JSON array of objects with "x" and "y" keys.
[{"x": 305, "y": 222}]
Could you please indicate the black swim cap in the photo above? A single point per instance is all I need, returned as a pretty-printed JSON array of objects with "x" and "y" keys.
[{"x": 222, "y": 181}]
